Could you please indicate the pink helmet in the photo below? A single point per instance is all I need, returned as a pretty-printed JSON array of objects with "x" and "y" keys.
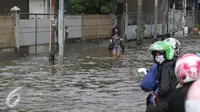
[
  {"x": 192, "y": 104},
  {"x": 187, "y": 68}
]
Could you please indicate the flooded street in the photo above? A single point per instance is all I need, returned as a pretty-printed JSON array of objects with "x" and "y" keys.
[{"x": 89, "y": 81}]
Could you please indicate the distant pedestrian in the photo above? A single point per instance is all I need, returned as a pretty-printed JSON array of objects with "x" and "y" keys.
[{"x": 114, "y": 46}]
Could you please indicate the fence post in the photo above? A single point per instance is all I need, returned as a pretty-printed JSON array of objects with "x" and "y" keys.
[
  {"x": 139, "y": 22},
  {"x": 126, "y": 27},
  {"x": 151, "y": 34},
  {"x": 36, "y": 25},
  {"x": 52, "y": 39},
  {"x": 82, "y": 27},
  {"x": 15, "y": 12},
  {"x": 122, "y": 24},
  {"x": 97, "y": 27}
]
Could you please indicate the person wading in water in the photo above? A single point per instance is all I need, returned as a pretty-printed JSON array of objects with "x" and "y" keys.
[{"x": 114, "y": 46}]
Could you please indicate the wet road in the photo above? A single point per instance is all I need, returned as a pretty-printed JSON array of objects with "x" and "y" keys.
[{"x": 89, "y": 81}]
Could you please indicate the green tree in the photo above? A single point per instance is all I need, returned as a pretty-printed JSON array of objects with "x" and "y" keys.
[{"x": 93, "y": 6}]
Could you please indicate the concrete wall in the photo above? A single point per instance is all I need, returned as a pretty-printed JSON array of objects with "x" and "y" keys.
[{"x": 6, "y": 32}]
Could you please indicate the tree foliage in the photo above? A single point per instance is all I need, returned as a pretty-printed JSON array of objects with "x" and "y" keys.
[{"x": 93, "y": 6}]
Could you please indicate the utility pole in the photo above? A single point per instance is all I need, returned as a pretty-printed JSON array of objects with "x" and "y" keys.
[
  {"x": 113, "y": 14},
  {"x": 126, "y": 6},
  {"x": 193, "y": 15},
  {"x": 52, "y": 36},
  {"x": 184, "y": 15},
  {"x": 126, "y": 19},
  {"x": 61, "y": 31},
  {"x": 173, "y": 18},
  {"x": 139, "y": 22},
  {"x": 155, "y": 19},
  {"x": 165, "y": 12},
  {"x": 168, "y": 3}
]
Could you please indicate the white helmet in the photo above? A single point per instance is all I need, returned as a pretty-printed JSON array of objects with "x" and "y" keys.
[
  {"x": 187, "y": 68},
  {"x": 192, "y": 103},
  {"x": 176, "y": 45}
]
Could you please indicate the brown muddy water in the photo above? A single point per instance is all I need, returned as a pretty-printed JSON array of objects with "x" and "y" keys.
[{"x": 89, "y": 81}]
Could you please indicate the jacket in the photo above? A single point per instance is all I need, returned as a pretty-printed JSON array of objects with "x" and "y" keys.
[
  {"x": 149, "y": 81},
  {"x": 166, "y": 78},
  {"x": 167, "y": 82}
]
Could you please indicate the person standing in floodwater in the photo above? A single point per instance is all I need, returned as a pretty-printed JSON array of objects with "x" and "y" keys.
[{"x": 115, "y": 42}]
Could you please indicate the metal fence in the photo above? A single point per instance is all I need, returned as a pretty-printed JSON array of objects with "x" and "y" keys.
[
  {"x": 192, "y": 18},
  {"x": 6, "y": 32},
  {"x": 165, "y": 24},
  {"x": 147, "y": 18},
  {"x": 35, "y": 29}
]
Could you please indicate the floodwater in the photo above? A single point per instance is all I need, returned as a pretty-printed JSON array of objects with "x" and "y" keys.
[{"x": 89, "y": 81}]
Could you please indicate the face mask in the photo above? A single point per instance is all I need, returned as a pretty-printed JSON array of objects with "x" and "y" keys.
[{"x": 160, "y": 59}]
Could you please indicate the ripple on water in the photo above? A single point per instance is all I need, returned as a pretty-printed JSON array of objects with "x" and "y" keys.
[{"x": 87, "y": 82}]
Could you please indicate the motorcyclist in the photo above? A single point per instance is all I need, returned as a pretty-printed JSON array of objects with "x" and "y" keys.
[
  {"x": 149, "y": 81},
  {"x": 163, "y": 54},
  {"x": 187, "y": 70}
]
